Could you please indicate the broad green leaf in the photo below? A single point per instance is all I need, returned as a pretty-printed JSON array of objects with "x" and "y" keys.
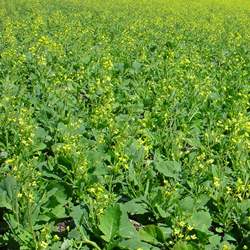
[
  {"x": 60, "y": 193},
  {"x": 134, "y": 244},
  {"x": 11, "y": 218},
  {"x": 39, "y": 147},
  {"x": 61, "y": 196},
  {"x": 86, "y": 59},
  {"x": 135, "y": 206},
  {"x": 44, "y": 217},
  {"x": 126, "y": 229},
  {"x": 187, "y": 203},
  {"x": 214, "y": 240},
  {"x": 136, "y": 66},
  {"x": 66, "y": 244},
  {"x": 147, "y": 237},
  {"x": 244, "y": 205},
  {"x": 162, "y": 212},
  {"x": 168, "y": 168},
  {"x": 202, "y": 200},
  {"x": 110, "y": 222},
  {"x": 166, "y": 232},
  {"x": 74, "y": 234},
  {"x": 59, "y": 211},
  {"x": 41, "y": 133},
  {"x": 183, "y": 246},
  {"x": 9, "y": 185},
  {"x": 47, "y": 196},
  {"x": 56, "y": 245},
  {"x": 151, "y": 234},
  {"x": 77, "y": 213},
  {"x": 201, "y": 221},
  {"x": 4, "y": 200}
]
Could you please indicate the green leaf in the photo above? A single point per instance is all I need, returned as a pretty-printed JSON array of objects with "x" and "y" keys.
[
  {"x": 135, "y": 206},
  {"x": 201, "y": 221},
  {"x": 66, "y": 244},
  {"x": 39, "y": 147},
  {"x": 187, "y": 203},
  {"x": 183, "y": 246},
  {"x": 86, "y": 59},
  {"x": 166, "y": 232},
  {"x": 109, "y": 222},
  {"x": 132, "y": 174},
  {"x": 214, "y": 240},
  {"x": 162, "y": 212},
  {"x": 74, "y": 234},
  {"x": 49, "y": 175},
  {"x": 41, "y": 133},
  {"x": 43, "y": 217},
  {"x": 9, "y": 185},
  {"x": 244, "y": 205},
  {"x": 219, "y": 229},
  {"x": 11, "y": 218},
  {"x": 134, "y": 244},
  {"x": 151, "y": 234},
  {"x": 56, "y": 245},
  {"x": 4, "y": 201},
  {"x": 49, "y": 194},
  {"x": 202, "y": 200},
  {"x": 59, "y": 211},
  {"x": 147, "y": 237},
  {"x": 8, "y": 189},
  {"x": 168, "y": 168},
  {"x": 136, "y": 66},
  {"x": 60, "y": 194},
  {"x": 228, "y": 237},
  {"x": 126, "y": 229},
  {"x": 77, "y": 213}
]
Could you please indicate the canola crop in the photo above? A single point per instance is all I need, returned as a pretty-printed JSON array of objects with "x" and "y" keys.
[{"x": 124, "y": 124}]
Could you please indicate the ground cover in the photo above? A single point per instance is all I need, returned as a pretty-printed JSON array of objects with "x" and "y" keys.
[{"x": 124, "y": 124}]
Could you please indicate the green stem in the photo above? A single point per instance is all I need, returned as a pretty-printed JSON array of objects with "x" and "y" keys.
[
  {"x": 31, "y": 226},
  {"x": 93, "y": 244}
]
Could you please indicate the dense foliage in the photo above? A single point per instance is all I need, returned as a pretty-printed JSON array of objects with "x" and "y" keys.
[{"x": 124, "y": 124}]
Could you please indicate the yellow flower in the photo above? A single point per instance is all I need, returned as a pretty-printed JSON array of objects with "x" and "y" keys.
[
  {"x": 181, "y": 235},
  {"x": 182, "y": 223},
  {"x": 19, "y": 195},
  {"x": 193, "y": 237},
  {"x": 210, "y": 161},
  {"x": 9, "y": 161},
  {"x": 216, "y": 182},
  {"x": 247, "y": 126},
  {"x": 56, "y": 238},
  {"x": 229, "y": 190},
  {"x": 44, "y": 244},
  {"x": 30, "y": 197},
  {"x": 226, "y": 247}
]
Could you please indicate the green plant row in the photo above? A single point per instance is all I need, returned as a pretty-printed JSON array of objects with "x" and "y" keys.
[{"x": 124, "y": 124}]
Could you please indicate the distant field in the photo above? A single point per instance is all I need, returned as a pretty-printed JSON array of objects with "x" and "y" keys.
[{"x": 124, "y": 124}]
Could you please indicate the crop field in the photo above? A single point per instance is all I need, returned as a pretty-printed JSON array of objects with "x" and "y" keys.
[{"x": 124, "y": 124}]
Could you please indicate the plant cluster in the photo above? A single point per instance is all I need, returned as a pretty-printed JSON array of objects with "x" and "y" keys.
[{"x": 124, "y": 124}]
